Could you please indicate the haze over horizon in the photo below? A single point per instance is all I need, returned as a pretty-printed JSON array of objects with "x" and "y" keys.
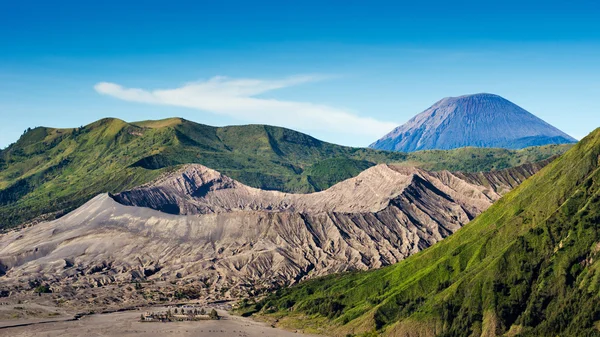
[{"x": 346, "y": 73}]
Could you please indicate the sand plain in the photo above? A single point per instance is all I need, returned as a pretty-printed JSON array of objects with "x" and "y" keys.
[{"x": 126, "y": 324}]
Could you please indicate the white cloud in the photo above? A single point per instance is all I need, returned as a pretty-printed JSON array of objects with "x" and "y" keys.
[{"x": 236, "y": 98}]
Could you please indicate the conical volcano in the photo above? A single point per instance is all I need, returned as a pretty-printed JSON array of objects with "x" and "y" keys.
[{"x": 479, "y": 120}]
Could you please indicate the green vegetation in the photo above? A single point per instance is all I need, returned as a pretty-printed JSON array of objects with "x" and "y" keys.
[
  {"x": 328, "y": 172},
  {"x": 42, "y": 289},
  {"x": 49, "y": 172},
  {"x": 529, "y": 266}
]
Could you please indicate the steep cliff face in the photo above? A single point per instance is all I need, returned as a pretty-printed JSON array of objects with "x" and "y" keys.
[
  {"x": 199, "y": 225},
  {"x": 480, "y": 120}
]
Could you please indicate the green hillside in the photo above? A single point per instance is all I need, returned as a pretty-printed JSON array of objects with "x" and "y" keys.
[
  {"x": 529, "y": 266},
  {"x": 48, "y": 172}
]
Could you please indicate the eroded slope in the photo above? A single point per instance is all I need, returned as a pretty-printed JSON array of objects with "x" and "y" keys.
[{"x": 233, "y": 239}]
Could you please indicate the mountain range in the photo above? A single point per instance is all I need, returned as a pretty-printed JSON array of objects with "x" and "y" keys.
[
  {"x": 480, "y": 120},
  {"x": 311, "y": 235},
  {"x": 528, "y": 266},
  {"x": 49, "y": 172},
  {"x": 198, "y": 224}
]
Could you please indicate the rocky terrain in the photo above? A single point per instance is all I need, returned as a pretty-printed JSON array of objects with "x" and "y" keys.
[
  {"x": 196, "y": 232},
  {"x": 480, "y": 120}
]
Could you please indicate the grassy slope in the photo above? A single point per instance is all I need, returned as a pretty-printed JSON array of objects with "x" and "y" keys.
[
  {"x": 56, "y": 170},
  {"x": 528, "y": 266}
]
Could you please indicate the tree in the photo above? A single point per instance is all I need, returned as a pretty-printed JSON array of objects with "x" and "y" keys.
[
  {"x": 141, "y": 317},
  {"x": 176, "y": 310},
  {"x": 202, "y": 311},
  {"x": 213, "y": 314}
]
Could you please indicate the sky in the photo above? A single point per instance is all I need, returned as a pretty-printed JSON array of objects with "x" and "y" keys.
[{"x": 346, "y": 72}]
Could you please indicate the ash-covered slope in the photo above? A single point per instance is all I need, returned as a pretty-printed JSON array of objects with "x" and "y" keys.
[
  {"x": 480, "y": 120},
  {"x": 236, "y": 239}
]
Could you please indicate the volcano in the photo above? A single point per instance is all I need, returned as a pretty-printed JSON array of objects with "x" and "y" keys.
[{"x": 479, "y": 120}]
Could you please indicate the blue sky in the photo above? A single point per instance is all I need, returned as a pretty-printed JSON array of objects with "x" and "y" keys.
[{"x": 345, "y": 72}]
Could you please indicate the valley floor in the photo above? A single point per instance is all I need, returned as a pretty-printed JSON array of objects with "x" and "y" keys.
[{"x": 126, "y": 324}]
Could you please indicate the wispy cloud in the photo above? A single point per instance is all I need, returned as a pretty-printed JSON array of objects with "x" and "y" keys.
[{"x": 237, "y": 98}]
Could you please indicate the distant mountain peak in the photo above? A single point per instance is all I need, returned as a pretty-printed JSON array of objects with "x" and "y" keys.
[
  {"x": 480, "y": 120},
  {"x": 481, "y": 95}
]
